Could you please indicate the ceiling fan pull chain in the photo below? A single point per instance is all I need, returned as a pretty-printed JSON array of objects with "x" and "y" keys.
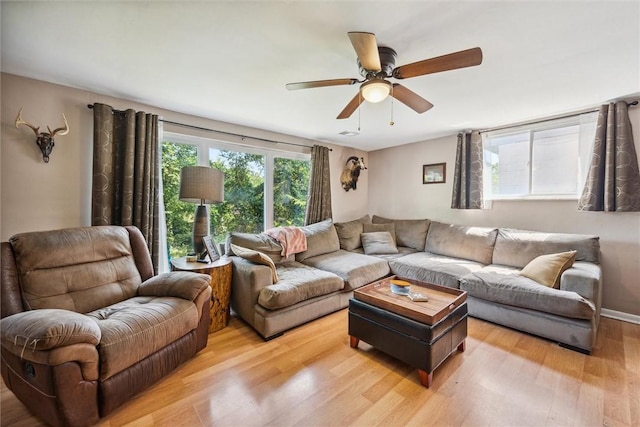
[
  {"x": 391, "y": 123},
  {"x": 359, "y": 109}
]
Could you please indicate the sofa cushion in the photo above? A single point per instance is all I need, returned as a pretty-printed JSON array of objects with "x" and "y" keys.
[
  {"x": 79, "y": 269},
  {"x": 349, "y": 232},
  {"x": 409, "y": 232},
  {"x": 503, "y": 285},
  {"x": 547, "y": 269},
  {"x": 433, "y": 268},
  {"x": 517, "y": 248},
  {"x": 138, "y": 327},
  {"x": 378, "y": 242},
  {"x": 322, "y": 238},
  {"x": 402, "y": 251},
  {"x": 298, "y": 282},
  {"x": 460, "y": 241},
  {"x": 355, "y": 269},
  {"x": 258, "y": 242},
  {"x": 372, "y": 228},
  {"x": 257, "y": 258}
]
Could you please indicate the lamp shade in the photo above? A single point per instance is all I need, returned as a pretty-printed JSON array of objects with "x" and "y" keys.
[
  {"x": 200, "y": 184},
  {"x": 375, "y": 90}
]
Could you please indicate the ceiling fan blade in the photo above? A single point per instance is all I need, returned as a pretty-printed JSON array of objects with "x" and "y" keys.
[
  {"x": 321, "y": 83},
  {"x": 366, "y": 48},
  {"x": 351, "y": 107},
  {"x": 452, "y": 61},
  {"x": 410, "y": 99}
]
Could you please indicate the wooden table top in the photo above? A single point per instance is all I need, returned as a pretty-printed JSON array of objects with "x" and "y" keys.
[
  {"x": 182, "y": 264},
  {"x": 442, "y": 300}
]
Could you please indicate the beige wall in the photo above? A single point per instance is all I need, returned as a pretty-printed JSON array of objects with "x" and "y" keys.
[
  {"x": 396, "y": 190},
  {"x": 38, "y": 196}
]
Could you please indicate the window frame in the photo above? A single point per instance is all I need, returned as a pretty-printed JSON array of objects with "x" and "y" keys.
[
  {"x": 532, "y": 129},
  {"x": 203, "y": 145}
]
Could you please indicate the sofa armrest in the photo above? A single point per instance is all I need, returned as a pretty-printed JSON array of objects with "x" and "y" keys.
[
  {"x": 181, "y": 284},
  {"x": 47, "y": 329},
  {"x": 583, "y": 278},
  {"x": 248, "y": 280}
]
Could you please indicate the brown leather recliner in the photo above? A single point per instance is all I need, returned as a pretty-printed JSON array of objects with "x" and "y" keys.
[{"x": 85, "y": 324}]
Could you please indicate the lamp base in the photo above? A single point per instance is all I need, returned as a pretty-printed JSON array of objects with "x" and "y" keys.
[{"x": 200, "y": 230}]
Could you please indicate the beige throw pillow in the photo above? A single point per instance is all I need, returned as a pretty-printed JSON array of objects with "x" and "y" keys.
[
  {"x": 371, "y": 228},
  {"x": 256, "y": 257},
  {"x": 349, "y": 232},
  {"x": 547, "y": 269},
  {"x": 378, "y": 243}
]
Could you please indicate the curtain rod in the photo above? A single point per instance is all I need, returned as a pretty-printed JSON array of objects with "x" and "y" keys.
[
  {"x": 560, "y": 116},
  {"x": 227, "y": 133}
]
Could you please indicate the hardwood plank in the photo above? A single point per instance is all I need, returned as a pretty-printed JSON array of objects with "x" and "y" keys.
[{"x": 311, "y": 376}]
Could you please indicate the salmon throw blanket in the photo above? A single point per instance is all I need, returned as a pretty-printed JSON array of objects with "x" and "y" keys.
[{"x": 292, "y": 239}]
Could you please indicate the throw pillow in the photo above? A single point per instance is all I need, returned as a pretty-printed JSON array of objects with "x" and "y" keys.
[
  {"x": 411, "y": 233},
  {"x": 257, "y": 242},
  {"x": 547, "y": 269},
  {"x": 257, "y": 258},
  {"x": 378, "y": 243},
  {"x": 349, "y": 232},
  {"x": 371, "y": 228}
]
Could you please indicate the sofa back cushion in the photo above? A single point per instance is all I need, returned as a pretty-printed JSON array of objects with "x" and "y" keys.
[
  {"x": 322, "y": 238},
  {"x": 78, "y": 269},
  {"x": 461, "y": 241},
  {"x": 411, "y": 233},
  {"x": 257, "y": 242},
  {"x": 516, "y": 248}
]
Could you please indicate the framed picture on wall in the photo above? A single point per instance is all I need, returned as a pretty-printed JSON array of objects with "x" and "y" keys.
[
  {"x": 435, "y": 173},
  {"x": 210, "y": 245}
]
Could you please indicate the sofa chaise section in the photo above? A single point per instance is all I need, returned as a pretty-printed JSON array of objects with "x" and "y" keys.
[
  {"x": 569, "y": 314},
  {"x": 316, "y": 282}
]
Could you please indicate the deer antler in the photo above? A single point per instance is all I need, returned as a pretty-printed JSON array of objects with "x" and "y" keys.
[
  {"x": 65, "y": 128},
  {"x": 19, "y": 121}
]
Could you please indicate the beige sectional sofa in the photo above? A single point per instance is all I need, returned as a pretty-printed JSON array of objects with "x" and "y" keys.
[{"x": 489, "y": 263}]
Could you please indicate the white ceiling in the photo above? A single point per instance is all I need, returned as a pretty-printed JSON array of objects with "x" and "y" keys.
[{"x": 230, "y": 61}]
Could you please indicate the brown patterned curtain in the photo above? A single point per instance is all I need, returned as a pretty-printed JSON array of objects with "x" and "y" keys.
[
  {"x": 319, "y": 196},
  {"x": 126, "y": 172},
  {"x": 613, "y": 181},
  {"x": 467, "y": 178}
]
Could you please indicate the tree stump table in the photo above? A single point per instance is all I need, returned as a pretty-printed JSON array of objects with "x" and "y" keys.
[{"x": 220, "y": 272}]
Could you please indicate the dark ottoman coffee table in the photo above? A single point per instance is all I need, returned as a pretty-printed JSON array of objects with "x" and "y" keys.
[{"x": 421, "y": 334}]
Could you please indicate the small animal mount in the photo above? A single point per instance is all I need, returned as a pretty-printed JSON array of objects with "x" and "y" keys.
[
  {"x": 349, "y": 177},
  {"x": 44, "y": 139}
]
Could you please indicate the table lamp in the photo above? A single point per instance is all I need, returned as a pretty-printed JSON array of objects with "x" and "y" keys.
[{"x": 202, "y": 185}]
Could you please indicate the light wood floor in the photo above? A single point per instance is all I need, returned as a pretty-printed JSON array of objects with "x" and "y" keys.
[{"x": 310, "y": 376}]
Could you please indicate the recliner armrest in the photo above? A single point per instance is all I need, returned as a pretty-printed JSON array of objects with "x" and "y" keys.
[
  {"x": 47, "y": 329},
  {"x": 181, "y": 284}
]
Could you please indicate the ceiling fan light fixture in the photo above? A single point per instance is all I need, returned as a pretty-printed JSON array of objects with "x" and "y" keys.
[{"x": 375, "y": 90}]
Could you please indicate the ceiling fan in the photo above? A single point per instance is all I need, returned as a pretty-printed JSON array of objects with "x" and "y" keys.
[{"x": 377, "y": 65}]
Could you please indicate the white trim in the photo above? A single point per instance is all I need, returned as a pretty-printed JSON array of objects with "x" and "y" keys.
[{"x": 620, "y": 315}]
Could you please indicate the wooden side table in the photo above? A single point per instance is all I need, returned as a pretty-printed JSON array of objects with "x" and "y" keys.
[{"x": 220, "y": 272}]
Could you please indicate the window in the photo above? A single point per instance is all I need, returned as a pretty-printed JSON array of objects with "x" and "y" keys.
[
  {"x": 243, "y": 206},
  {"x": 290, "y": 186},
  {"x": 545, "y": 160},
  {"x": 179, "y": 215},
  {"x": 263, "y": 188}
]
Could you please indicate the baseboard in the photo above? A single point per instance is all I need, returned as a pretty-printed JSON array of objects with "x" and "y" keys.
[{"x": 620, "y": 315}]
